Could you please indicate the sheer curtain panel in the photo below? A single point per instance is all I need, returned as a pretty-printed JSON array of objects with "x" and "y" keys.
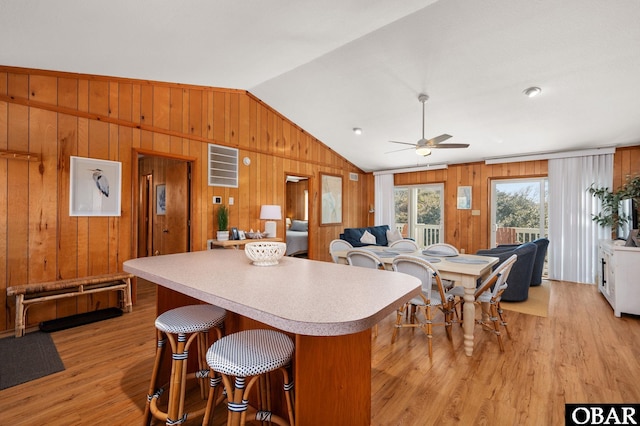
[
  {"x": 573, "y": 235},
  {"x": 385, "y": 209}
]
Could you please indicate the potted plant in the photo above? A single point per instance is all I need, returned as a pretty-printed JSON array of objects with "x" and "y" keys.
[
  {"x": 610, "y": 200},
  {"x": 223, "y": 223}
]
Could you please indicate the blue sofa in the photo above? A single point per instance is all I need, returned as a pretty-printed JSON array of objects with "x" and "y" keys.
[
  {"x": 353, "y": 235},
  {"x": 519, "y": 279}
]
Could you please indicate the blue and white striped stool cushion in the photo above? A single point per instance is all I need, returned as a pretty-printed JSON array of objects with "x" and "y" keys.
[
  {"x": 190, "y": 319},
  {"x": 250, "y": 353}
]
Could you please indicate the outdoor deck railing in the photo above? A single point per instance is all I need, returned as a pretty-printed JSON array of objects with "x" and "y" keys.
[{"x": 424, "y": 235}]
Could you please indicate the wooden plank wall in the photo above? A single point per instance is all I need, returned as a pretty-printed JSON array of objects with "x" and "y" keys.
[
  {"x": 472, "y": 233},
  {"x": 55, "y": 115}
]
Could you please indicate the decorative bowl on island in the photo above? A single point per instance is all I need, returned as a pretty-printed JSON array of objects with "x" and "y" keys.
[
  {"x": 265, "y": 253},
  {"x": 256, "y": 235}
]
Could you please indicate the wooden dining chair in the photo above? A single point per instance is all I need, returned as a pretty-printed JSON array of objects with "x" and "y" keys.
[
  {"x": 443, "y": 248},
  {"x": 404, "y": 244},
  {"x": 429, "y": 299},
  {"x": 488, "y": 295},
  {"x": 364, "y": 258},
  {"x": 446, "y": 249},
  {"x": 338, "y": 245}
]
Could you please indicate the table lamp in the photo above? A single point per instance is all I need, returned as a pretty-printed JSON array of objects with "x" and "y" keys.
[{"x": 270, "y": 213}]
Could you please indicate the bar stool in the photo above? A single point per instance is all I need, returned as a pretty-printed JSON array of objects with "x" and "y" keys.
[
  {"x": 249, "y": 354},
  {"x": 181, "y": 326}
]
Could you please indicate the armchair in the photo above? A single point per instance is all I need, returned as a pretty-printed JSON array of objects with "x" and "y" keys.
[
  {"x": 538, "y": 265},
  {"x": 520, "y": 276}
]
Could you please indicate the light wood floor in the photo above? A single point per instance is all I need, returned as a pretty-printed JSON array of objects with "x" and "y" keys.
[{"x": 581, "y": 353}]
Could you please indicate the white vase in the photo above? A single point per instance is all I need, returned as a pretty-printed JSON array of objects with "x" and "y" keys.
[{"x": 223, "y": 235}]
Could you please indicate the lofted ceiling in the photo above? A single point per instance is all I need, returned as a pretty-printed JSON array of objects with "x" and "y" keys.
[{"x": 333, "y": 65}]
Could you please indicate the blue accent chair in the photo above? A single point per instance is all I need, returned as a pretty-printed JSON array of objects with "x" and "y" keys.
[
  {"x": 538, "y": 265},
  {"x": 520, "y": 277}
]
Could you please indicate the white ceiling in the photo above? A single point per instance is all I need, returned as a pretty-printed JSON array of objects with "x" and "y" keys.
[{"x": 333, "y": 65}]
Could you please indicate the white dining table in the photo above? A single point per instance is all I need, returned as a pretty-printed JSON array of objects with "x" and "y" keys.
[{"x": 463, "y": 269}]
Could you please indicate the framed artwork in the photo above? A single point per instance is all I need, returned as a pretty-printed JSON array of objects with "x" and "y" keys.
[
  {"x": 161, "y": 199},
  {"x": 242, "y": 235},
  {"x": 94, "y": 187},
  {"x": 331, "y": 199},
  {"x": 464, "y": 197},
  {"x": 235, "y": 235}
]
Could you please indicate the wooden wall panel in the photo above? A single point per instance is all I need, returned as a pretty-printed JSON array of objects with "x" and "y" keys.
[
  {"x": 60, "y": 115},
  {"x": 4, "y": 200}
]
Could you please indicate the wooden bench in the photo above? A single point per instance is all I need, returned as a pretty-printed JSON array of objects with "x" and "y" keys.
[{"x": 28, "y": 294}]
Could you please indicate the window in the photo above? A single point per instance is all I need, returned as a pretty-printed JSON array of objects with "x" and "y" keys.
[
  {"x": 519, "y": 210},
  {"x": 419, "y": 213}
]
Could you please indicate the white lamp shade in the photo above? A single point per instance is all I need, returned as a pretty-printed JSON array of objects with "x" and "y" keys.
[{"x": 270, "y": 212}]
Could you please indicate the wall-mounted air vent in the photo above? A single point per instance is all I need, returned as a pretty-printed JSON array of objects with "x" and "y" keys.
[
  {"x": 354, "y": 176},
  {"x": 223, "y": 166}
]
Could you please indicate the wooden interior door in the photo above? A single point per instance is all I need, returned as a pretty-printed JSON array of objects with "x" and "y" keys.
[
  {"x": 175, "y": 231},
  {"x": 164, "y": 228}
]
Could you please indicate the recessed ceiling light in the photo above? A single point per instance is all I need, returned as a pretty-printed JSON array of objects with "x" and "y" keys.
[
  {"x": 357, "y": 130},
  {"x": 532, "y": 91}
]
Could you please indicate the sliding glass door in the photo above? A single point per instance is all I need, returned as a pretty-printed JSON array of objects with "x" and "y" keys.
[
  {"x": 519, "y": 211},
  {"x": 419, "y": 212}
]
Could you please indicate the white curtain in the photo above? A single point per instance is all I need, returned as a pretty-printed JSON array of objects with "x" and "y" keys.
[
  {"x": 573, "y": 235},
  {"x": 384, "y": 205}
]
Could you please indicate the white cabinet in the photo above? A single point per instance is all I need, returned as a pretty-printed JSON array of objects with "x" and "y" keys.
[{"x": 619, "y": 277}]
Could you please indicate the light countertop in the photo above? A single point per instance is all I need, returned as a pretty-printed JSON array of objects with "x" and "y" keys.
[{"x": 298, "y": 295}]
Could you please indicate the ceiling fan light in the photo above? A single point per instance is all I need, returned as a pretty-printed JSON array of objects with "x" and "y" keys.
[
  {"x": 532, "y": 91},
  {"x": 423, "y": 150}
]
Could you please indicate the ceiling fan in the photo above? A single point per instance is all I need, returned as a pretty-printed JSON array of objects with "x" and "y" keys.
[{"x": 424, "y": 146}]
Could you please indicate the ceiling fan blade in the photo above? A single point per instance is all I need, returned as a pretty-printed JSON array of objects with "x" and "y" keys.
[
  {"x": 398, "y": 150},
  {"x": 438, "y": 139},
  {"x": 450, "y": 145},
  {"x": 404, "y": 143}
]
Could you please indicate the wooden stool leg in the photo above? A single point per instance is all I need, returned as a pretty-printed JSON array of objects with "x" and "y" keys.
[
  {"x": 213, "y": 400},
  {"x": 175, "y": 382},
  {"x": 288, "y": 393},
  {"x": 154, "y": 392}
]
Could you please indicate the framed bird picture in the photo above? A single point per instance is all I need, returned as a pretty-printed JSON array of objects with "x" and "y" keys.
[
  {"x": 161, "y": 199},
  {"x": 95, "y": 187}
]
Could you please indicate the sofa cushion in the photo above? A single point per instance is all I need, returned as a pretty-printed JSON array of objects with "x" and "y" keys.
[
  {"x": 353, "y": 235},
  {"x": 367, "y": 238},
  {"x": 393, "y": 236}
]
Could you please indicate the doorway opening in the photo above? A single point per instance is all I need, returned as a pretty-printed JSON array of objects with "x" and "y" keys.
[
  {"x": 419, "y": 213},
  {"x": 164, "y": 206},
  {"x": 519, "y": 210},
  {"x": 297, "y": 215}
]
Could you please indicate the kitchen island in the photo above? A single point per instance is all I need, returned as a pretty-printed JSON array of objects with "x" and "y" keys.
[{"x": 328, "y": 309}]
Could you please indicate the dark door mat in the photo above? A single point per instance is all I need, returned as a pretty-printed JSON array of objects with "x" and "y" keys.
[{"x": 79, "y": 319}]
